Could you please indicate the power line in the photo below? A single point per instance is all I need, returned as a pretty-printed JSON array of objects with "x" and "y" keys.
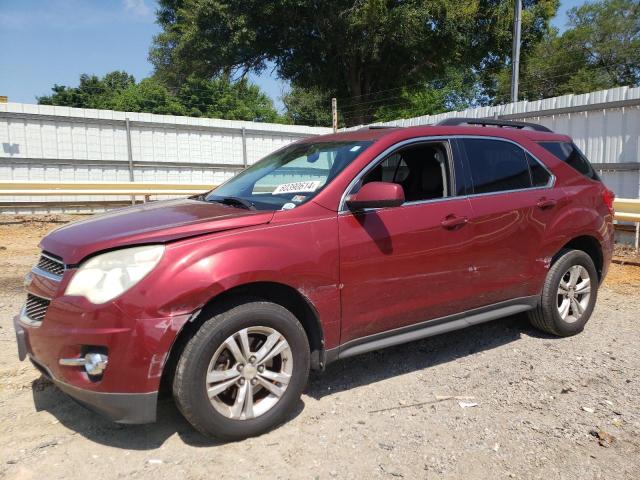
[
  {"x": 356, "y": 114},
  {"x": 425, "y": 83}
]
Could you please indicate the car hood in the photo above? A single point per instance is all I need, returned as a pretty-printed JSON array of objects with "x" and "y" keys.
[{"x": 156, "y": 222}]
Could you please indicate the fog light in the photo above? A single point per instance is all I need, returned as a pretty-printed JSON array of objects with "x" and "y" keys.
[{"x": 95, "y": 363}]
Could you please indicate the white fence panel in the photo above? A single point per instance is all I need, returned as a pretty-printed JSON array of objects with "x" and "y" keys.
[
  {"x": 41, "y": 142},
  {"x": 68, "y": 144},
  {"x": 605, "y": 125}
]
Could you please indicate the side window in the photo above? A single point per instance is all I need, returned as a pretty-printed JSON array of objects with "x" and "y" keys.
[
  {"x": 539, "y": 175},
  {"x": 422, "y": 170},
  {"x": 571, "y": 155},
  {"x": 393, "y": 169},
  {"x": 496, "y": 165}
]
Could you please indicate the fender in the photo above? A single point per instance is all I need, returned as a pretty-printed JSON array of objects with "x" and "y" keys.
[
  {"x": 576, "y": 219},
  {"x": 299, "y": 255}
]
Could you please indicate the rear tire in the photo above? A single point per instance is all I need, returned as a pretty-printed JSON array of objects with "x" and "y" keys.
[
  {"x": 568, "y": 296},
  {"x": 227, "y": 386}
]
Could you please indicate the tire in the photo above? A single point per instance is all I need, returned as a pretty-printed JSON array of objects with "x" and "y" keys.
[
  {"x": 547, "y": 315},
  {"x": 208, "y": 355}
]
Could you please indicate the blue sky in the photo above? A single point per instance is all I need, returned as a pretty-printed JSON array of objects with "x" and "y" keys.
[{"x": 44, "y": 42}]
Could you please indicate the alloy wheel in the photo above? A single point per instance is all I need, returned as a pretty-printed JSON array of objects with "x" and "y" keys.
[
  {"x": 574, "y": 292},
  {"x": 249, "y": 373}
]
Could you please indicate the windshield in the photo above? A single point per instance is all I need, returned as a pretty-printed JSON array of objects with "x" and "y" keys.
[{"x": 289, "y": 177}]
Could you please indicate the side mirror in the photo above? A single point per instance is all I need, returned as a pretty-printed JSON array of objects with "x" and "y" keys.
[{"x": 376, "y": 195}]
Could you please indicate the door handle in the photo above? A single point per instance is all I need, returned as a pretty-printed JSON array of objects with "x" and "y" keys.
[
  {"x": 545, "y": 203},
  {"x": 451, "y": 221}
]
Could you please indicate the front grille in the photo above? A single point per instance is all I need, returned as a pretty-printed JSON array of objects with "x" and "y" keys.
[
  {"x": 36, "y": 308},
  {"x": 51, "y": 264}
]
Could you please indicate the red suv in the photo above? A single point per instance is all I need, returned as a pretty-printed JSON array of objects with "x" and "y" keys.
[{"x": 330, "y": 247}]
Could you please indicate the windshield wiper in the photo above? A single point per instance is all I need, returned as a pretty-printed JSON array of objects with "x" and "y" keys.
[{"x": 235, "y": 202}]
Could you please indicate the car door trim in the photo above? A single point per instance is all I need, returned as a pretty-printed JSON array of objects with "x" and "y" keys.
[{"x": 429, "y": 328}]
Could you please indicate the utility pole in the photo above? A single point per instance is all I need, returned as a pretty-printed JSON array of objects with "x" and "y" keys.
[
  {"x": 127, "y": 127},
  {"x": 334, "y": 114},
  {"x": 515, "y": 57}
]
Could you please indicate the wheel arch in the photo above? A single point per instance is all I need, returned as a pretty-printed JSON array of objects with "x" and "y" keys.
[
  {"x": 281, "y": 294},
  {"x": 589, "y": 245}
]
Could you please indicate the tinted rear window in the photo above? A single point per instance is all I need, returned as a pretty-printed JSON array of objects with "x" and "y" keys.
[
  {"x": 496, "y": 165},
  {"x": 571, "y": 155}
]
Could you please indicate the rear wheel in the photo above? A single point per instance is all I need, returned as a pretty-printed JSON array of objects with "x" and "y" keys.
[
  {"x": 243, "y": 371},
  {"x": 568, "y": 296}
]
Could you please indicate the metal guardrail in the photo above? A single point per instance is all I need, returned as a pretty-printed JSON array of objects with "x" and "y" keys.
[
  {"x": 627, "y": 209},
  {"x": 16, "y": 188}
]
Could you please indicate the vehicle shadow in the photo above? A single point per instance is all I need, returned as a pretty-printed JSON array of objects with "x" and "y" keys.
[
  {"x": 130, "y": 437},
  {"x": 422, "y": 354},
  {"x": 339, "y": 376}
]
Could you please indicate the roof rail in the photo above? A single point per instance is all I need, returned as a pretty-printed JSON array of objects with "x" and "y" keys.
[
  {"x": 379, "y": 127},
  {"x": 494, "y": 123}
]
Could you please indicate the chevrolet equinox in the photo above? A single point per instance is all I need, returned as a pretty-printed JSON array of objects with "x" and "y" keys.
[{"x": 330, "y": 247}]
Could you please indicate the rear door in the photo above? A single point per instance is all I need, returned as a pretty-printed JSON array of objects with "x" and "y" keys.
[
  {"x": 512, "y": 205},
  {"x": 404, "y": 265}
]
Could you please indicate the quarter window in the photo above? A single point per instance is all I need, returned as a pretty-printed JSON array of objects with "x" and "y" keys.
[
  {"x": 539, "y": 175},
  {"x": 496, "y": 165},
  {"x": 571, "y": 155}
]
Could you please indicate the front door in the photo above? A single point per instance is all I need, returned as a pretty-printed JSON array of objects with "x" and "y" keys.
[{"x": 404, "y": 265}]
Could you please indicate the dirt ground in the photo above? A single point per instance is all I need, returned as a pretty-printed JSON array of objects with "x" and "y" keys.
[
  {"x": 626, "y": 254},
  {"x": 528, "y": 406}
]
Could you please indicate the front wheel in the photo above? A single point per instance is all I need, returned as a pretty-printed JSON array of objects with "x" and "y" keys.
[
  {"x": 568, "y": 295},
  {"x": 243, "y": 371}
]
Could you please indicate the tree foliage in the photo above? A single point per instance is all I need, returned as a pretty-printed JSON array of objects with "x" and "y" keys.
[
  {"x": 307, "y": 107},
  {"x": 600, "y": 49},
  {"x": 92, "y": 92},
  {"x": 349, "y": 49},
  {"x": 382, "y": 59},
  {"x": 457, "y": 90},
  {"x": 216, "y": 98},
  {"x": 221, "y": 98}
]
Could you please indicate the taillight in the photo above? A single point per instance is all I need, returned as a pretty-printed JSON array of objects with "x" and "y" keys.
[{"x": 608, "y": 197}]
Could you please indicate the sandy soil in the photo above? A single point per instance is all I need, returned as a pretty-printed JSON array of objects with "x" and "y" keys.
[{"x": 546, "y": 407}]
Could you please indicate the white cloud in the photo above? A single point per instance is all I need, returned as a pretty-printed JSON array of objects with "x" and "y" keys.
[{"x": 137, "y": 7}]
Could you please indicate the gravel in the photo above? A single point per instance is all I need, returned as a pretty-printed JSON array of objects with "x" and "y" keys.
[{"x": 498, "y": 400}]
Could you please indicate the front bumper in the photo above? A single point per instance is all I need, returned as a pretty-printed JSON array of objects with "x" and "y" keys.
[{"x": 118, "y": 407}]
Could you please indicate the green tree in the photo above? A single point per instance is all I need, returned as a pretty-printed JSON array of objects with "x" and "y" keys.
[
  {"x": 147, "y": 96},
  {"x": 307, "y": 107},
  {"x": 92, "y": 92},
  {"x": 221, "y": 98},
  {"x": 348, "y": 49},
  {"x": 456, "y": 91},
  {"x": 600, "y": 49},
  {"x": 216, "y": 98}
]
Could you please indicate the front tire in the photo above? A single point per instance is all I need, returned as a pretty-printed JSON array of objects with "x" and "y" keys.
[
  {"x": 243, "y": 371},
  {"x": 568, "y": 295}
]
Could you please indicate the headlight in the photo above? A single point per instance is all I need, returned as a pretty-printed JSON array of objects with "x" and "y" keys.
[{"x": 106, "y": 276}]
